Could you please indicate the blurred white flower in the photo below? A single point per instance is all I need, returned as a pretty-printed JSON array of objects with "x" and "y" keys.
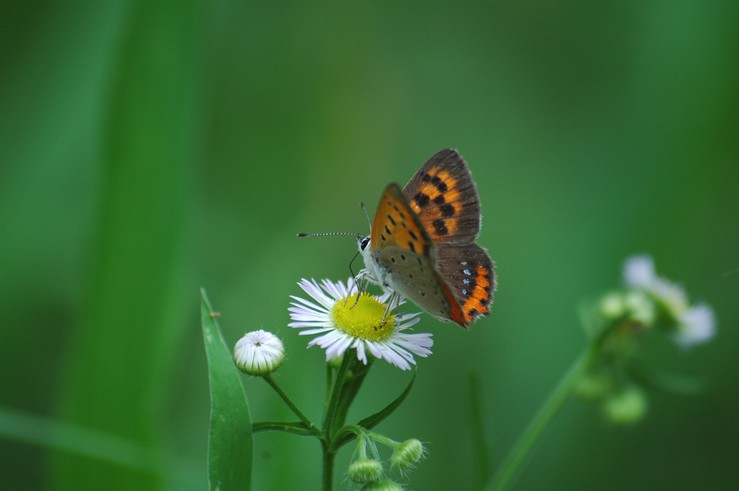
[
  {"x": 639, "y": 272},
  {"x": 695, "y": 326}
]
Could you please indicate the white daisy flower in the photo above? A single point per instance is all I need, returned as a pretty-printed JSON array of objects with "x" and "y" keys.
[
  {"x": 695, "y": 326},
  {"x": 342, "y": 322},
  {"x": 259, "y": 353}
]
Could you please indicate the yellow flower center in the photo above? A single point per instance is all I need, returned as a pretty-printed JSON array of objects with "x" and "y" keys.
[{"x": 362, "y": 318}]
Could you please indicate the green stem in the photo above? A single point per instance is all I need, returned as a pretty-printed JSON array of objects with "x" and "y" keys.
[
  {"x": 333, "y": 402},
  {"x": 308, "y": 424},
  {"x": 515, "y": 459},
  {"x": 328, "y": 467},
  {"x": 345, "y": 386},
  {"x": 481, "y": 453}
]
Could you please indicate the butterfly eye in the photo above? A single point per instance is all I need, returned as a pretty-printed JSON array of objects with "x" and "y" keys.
[{"x": 363, "y": 243}]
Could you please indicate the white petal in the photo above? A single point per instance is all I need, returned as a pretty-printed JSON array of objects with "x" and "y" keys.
[
  {"x": 696, "y": 325},
  {"x": 639, "y": 272},
  {"x": 318, "y": 330},
  {"x": 308, "y": 304},
  {"x": 311, "y": 288}
]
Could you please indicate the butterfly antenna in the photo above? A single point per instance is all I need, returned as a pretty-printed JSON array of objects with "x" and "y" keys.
[
  {"x": 325, "y": 234},
  {"x": 364, "y": 209}
]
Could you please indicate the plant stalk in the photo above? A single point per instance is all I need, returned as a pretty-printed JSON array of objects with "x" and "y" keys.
[{"x": 513, "y": 462}]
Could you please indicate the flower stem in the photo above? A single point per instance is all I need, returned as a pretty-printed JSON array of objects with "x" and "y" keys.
[
  {"x": 328, "y": 467},
  {"x": 345, "y": 386},
  {"x": 506, "y": 472},
  {"x": 308, "y": 424}
]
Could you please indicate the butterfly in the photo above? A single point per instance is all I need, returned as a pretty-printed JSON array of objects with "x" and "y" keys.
[{"x": 422, "y": 242}]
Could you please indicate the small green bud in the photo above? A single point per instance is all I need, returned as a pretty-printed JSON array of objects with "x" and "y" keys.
[
  {"x": 626, "y": 407},
  {"x": 336, "y": 362},
  {"x": 593, "y": 385},
  {"x": 612, "y": 306},
  {"x": 384, "y": 485},
  {"x": 259, "y": 353},
  {"x": 365, "y": 471},
  {"x": 640, "y": 307},
  {"x": 407, "y": 454}
]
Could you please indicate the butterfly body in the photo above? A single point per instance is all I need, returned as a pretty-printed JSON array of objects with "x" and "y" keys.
[{"x": 422, "y": 242}]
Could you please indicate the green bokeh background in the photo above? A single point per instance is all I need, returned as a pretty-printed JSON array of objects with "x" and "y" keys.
[{"x": 150, "y": 148}]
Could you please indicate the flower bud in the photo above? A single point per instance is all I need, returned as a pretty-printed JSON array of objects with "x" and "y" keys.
[
  {"x": 640, "y": 307},
  {"x": 384, "y": 485},
  {"x": 407, "y": 454},
  {"x": 612, "y": 306},
  {"x": 365, "y": 471},
  {"x": 259, "y": 353},
  {"x": 593, "y": 386},
  {"x": 626, "y": 407},
  {"x": 336, "y": 362}
]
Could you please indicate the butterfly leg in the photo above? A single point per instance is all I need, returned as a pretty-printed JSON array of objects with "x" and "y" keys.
[
  {"x": 392, "y": 303},
  {"x": 360, "y": 282}
]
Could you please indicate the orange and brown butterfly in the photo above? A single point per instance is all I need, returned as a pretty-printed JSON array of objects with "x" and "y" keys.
[{"x": 422, "y": 242}]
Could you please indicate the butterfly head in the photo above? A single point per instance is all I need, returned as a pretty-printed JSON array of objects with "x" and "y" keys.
[
  {"x": 362, "y": 242},
  {"x": 365, "y": 249}
]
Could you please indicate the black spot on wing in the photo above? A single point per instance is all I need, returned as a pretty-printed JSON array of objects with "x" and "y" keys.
[
  {"x": 421, "y": 199},
  {"x": 447, "y": 210},
  {"x": 440, "y": 227},
  {"x": 440, "y": 185}
]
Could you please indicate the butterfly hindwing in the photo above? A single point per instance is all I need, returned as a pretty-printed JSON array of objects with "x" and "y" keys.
[
  {"x": 468, "y": 270},
  {"x": 445, "y": 199}
]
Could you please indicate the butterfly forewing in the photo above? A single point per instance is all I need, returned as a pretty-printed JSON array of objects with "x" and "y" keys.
[
  {"x": 402, "y": 247},
  {"x": 444, "y": 197},
  {"x": 414, "y": 276},
  {"x": 396, "y": 224}
]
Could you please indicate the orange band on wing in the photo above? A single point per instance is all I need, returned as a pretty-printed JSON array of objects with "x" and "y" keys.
[{"x": 478, "y": 302}]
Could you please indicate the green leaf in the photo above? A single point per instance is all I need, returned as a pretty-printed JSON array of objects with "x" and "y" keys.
[
  {"x": 373, "y": 420},
  {"x": 230, "y": 437},
  {"x": 135, "y": 274},
  {"x": 296, "y": 428}
]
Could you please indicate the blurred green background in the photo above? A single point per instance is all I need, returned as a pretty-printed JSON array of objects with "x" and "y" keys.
[{"x": 150, "y": 148}]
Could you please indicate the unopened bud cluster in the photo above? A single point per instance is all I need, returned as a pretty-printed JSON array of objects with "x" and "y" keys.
[{"x": 369, "y": 471}]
